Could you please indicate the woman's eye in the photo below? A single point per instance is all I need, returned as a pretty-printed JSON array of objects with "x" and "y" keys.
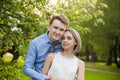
[{"x": 69, "y": 38}]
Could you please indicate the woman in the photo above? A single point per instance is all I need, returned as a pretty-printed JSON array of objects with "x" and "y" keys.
[{"x": 65, "y": 65}]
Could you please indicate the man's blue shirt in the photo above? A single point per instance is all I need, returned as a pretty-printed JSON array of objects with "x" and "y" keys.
[{"x": 38, "y": 50}]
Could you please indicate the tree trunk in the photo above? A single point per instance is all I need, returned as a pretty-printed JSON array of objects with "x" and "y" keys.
[
  {"x": 87, "y": 55},
  {"x": 89, "y": 48},
  {"x": 109, "y": 59},
  {"x": 116, "y": 53}
]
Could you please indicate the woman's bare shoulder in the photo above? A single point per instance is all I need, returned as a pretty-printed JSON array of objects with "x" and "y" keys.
[
  {"x": 81, "y": 63},
  {"x": 51, "y": 55}
]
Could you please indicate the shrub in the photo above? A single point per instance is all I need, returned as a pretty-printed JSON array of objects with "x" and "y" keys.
[{"x": 10, "y": 71}]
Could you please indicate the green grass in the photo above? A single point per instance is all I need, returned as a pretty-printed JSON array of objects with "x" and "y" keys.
[
  {"x": 102, "y": 66},
  {"x": 98, "y": 75},
  {"x": 94, "y": 75}
]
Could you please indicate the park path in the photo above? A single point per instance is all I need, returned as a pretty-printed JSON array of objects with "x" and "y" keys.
[{"x": 99, "y": 70}]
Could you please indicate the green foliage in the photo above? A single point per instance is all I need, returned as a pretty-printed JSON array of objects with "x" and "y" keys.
[
  {"x": 7, "y": 57},
  {"x": 84, "y": 13},
  {"x": 20, "y": 21},
  {"x": 10, "y": 71},
  {"x": 103, "y": 37}
]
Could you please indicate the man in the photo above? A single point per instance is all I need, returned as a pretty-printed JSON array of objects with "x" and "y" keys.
[{"x": 44, "y": 44}]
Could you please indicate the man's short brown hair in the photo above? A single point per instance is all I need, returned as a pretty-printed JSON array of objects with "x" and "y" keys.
[{"x": 60, "y": 17}]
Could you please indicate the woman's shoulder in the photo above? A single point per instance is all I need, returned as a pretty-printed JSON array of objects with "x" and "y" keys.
[
  {"x": 81, "y": 62},
  {"x": 51, "y": 55}
]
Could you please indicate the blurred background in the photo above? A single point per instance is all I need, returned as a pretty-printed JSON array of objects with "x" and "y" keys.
[{"x": 97, "y": 21}]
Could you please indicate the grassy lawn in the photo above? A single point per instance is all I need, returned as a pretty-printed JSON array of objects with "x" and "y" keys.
[
  {"x": 98, "y": 75},
  {"x": 102, "y": 66},
  {"x": 94, "y": 75}
]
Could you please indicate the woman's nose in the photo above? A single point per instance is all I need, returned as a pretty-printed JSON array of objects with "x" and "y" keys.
[{"x": 65, "y": 40}]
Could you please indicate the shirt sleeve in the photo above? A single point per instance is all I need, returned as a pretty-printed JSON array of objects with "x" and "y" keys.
[{"x": 29, "y": 64}]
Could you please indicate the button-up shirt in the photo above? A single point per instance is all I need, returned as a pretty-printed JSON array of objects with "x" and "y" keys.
[{"x": 38, "y": 50}]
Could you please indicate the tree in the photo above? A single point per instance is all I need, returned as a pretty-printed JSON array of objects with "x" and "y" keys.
[
  {"x": 20, "y": 21},
  {"x": 105, "y": 38},
  {"x": 112, "y": 19},
  {"x": 23, "y": 20}
]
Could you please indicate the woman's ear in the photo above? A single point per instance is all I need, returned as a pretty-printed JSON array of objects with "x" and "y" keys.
[{"x": 75, "y": 43}]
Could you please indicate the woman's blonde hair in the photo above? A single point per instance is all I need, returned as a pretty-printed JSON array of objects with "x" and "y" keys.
[{"x": 77, "y": 39}]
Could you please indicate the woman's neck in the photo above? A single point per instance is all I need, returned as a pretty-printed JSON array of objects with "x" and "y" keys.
[{"x": 68, "y": 54}]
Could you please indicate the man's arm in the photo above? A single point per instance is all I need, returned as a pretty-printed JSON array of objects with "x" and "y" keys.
[{"x": 29, "y": 64}]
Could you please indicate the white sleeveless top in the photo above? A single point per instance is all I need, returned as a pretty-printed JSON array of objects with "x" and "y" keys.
[{"x": 63, "y": 67}]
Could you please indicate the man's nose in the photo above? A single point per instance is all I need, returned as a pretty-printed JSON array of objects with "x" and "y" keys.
[{"x": 58, "y": 31}]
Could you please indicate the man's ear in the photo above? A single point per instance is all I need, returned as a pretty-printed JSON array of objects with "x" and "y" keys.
[{"x": 49, "y": 27}]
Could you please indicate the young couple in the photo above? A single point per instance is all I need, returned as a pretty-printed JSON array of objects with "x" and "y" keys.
[{"x": 51, "y": 55}]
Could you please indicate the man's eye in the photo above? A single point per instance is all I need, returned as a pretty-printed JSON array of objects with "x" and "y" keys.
[{"x": 55, "y": 27}]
